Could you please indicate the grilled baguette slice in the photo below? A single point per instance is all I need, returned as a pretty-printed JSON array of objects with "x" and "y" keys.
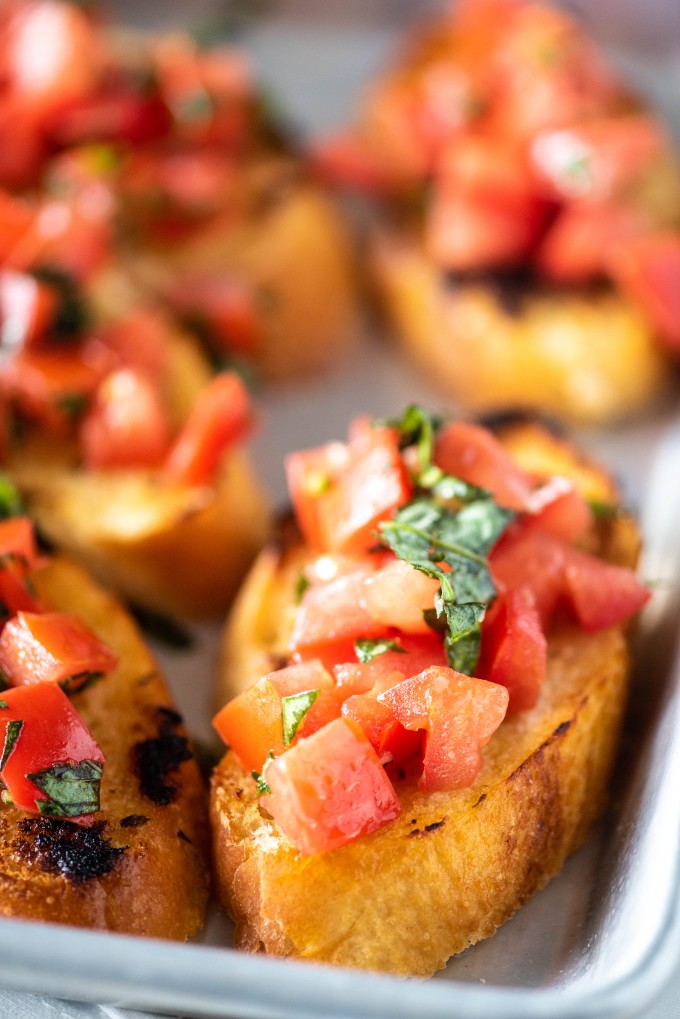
[
  {"x": 457, "y": 864},
  {"x": 141, "y": 868}
]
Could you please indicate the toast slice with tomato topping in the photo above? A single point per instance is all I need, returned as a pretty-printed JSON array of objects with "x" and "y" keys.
[
  {"x": 137, "y": 861},
  {"x": 527, "y": 242},
  {"x": 455, "y": 862}
]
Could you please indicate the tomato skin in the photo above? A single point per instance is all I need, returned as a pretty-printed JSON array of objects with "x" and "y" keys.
[
  {"x": 222, "y": 310},
  {"x": 329, "y": 789},
  {"x": 391, "y": 741},
  {"x": 397, "y": 595},
  {"x": 15, "y": 218},
  {"x": 576, "y": 247},
  {"x": 597, "y": 159},
  {"x": 52, "y": 733},
  {"x": 27, "y": 310},
  {"x": 601, "y": 594},
  {"x": 474, "y": 454},
  {"x": 647, "y": 269},
  {"x": 416, "y": 653},
  {"x": 251, "y": 723},
  {"x": 514, "y": 648},
  {"x": 17, "y": 537},
  {"x": 337, "y": 499},
  {"x": 127, "y": 424},
  {"x": 333, "y": 611},
  {"x": 220, "y": 419},
  {"x": 44, "y": 383},
  {"x": 486, "y": 212},
  {"x": 530, "y": 557},
  {"x": 52, "y": 647},
  {"x": 459, "y": 714},
  {"x": 559, "y": 509},
  {"x": 344, "y": 161}
]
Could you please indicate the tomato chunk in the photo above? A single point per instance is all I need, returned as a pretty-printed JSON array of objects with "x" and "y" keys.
[
  {"x": 647, "y": 268},
  {"x": 474, "y": 454},
  {"x": 50, "y": 764},
  {"x": 221, "y": 417},
  {"x": 559, "y": 509},
  {"x": 530, "y": 557},
  {"x": 329, "y": 789},
  {"x": 52, "y": 647},
  {"x": 341, "y": 492},
  {"x": 252, "y": 723},
  {"x": 601, "y": 594},
  {"x": 459, "y": 714},
  {"x": 415, "y": 653},
  {"x": 398, "y": 595},
  {"x": 17, "y": 537},
  {"x": 50, "y": 386},
  {"x": 127, "y": 425},
  {"x": 514, "y": 648},
  {"x": 389, "y": 738},
  {"x": 27, "y": 310},
  {"x": 334, "y": 611}
]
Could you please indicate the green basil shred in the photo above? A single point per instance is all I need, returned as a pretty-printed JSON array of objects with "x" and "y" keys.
[
  {"x": 293, "y": 710},
  {"x": 366, "y": 650}
]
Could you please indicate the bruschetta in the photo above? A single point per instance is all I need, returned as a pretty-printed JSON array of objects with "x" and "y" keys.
[
  {"x": 426, "y": 682},
  {"x": 103, "y": 822},
  {"x": 526, "y": 245}
]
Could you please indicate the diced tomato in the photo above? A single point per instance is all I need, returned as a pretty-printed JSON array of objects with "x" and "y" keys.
[
  {"x": 530, "y": 557},
  {"x": 416, "y": 653},
  {"x": 485, "y": 211},
  {"x": 514, "y": 648},
  {"x": 17, "y": 537},
  {"x": 330, "y": 655},
  {"x": 459, "y": 714},
  {"x": 43, "y": 738},
  {"x": 398, "y": 595},
  {"x": 329, "y": 789},
  {"x": 22, "y": 149},
  {"x": 116, "y": 114},
  {"x": 15, "y": 217},
  {"x": 222, "y": 309},
  {"x": 558, "y": 508},
  {"x": 647, "y": 269},
  {"x": 342, "y": 492},
  {"x": 252, "y": 723},
  {"x": 545, "y": 73},
  {"x": 52, "y": 647},
  {"x": 52, "y": 386},
  {"x": 127, "y": 424},
  {"x": 75, "y": 236},
  {"x": 601, "y": 594},
  {"x": 333, "y": 610},
  {"x": 27, "y": 310},
  {"x": 597, "y": 159},
  {"x": 221, "y": 418},
  {"x": 576, "y": 247},
  {"x": 16, "y": 590},
  {"x": 474, "y": 454},
  {"x": 392, "y": 742},
  {"x": 139, "y": 341}
]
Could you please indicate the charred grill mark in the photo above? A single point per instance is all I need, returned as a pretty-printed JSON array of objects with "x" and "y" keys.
[
  {"x": 155, "y": 759},
  {"x": 560, "y": 731},
  {"x": 421, "y": 832},
  {"x": 61, "y": 847},
  {"x": 480, "y": 800},
  {"x": 134, "y": 821}
]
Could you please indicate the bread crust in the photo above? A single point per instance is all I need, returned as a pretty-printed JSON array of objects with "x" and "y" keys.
[
  {"x": 142, "y": 867},
  {"x": 457, "y": 864},
  {"x": 587, "y": 356}
]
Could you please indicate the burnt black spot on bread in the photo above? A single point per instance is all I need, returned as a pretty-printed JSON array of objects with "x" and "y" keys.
[
  {"x": 155, "y": 759},
  {"x": 134, "y": 821},
  {"x": 61, "y": 847},
  {"x": 420, "y": 832}
]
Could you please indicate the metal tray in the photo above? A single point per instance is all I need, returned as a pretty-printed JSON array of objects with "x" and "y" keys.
[{"x": 601, "y": 939}]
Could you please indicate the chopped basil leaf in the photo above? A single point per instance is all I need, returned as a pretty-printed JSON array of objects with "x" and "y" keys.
[
  {"x": 72, "y": 405},
  {"x": 293, "y": 710},
  {"x": 260, "y": 781},
  {"x": 4, "y": 704},
  {"x": 11, "y": 736},
  {"x": 73, "y": 789},
  {"x": 367, "y": 650},
  {"x": 451, "y": 546},
  {"x": 417, "y": 428},
  {"x": 604, "y": 510},
  {"x": 10, "y": 500},
  {"x": 301, "y": 586}
]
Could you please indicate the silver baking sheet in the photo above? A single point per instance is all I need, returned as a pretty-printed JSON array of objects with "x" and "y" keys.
[{"x": 602, "y": 938}]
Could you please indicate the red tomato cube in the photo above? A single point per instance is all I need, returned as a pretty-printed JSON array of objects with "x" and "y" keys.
[
  {"x": 329, "y": 789},
  {"x": 52, "y": 647},
  {"x": 514, "y": 649}
]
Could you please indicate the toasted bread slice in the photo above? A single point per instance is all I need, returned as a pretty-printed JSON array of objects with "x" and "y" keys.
[
  {"x": 141, "y": 868},
  {"x": 587, "y": 356},
  {"x": 456, "y": 864}
]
